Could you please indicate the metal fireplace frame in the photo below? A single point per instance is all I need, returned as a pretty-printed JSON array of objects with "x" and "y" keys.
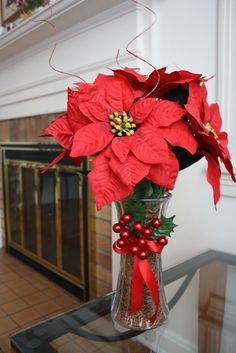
[{"x": 37, "y": 157}]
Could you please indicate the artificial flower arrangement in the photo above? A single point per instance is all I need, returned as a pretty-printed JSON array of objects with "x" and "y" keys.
[{"x": 141, "y": 131}]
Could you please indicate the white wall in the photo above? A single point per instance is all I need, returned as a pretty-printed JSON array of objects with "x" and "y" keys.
[{"x": 191, "y": 35}]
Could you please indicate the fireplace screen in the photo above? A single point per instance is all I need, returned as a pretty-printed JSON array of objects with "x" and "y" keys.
[{"x": 46, "y": 214}]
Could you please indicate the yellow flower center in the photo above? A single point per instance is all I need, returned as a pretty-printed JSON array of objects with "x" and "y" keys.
[
  {"x": 122, "y": 124},
  {"x": 210, "y": 129}
]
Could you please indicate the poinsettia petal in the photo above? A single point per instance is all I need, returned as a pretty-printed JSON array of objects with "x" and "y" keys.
[
  {"x": 118, "y": 93},
  {"x": 181, "y": 77},
  {"x": 194, "y": 104},
  {"x": 207, "y": 142},
  {"x": 76, "y": 160},
  {"x": 94, "y": 110},
  {"x": 142, "y": 109},
  {"x": 121, "y": 147},
  {"x": 165, "y": 174},
  {"x": 164, "y": 113},
  {"x": 131, "y": 171},
  {"x": 75, "y": 118},
  {"x": 83, "y": 86},
  {"x": 156, "y": 76},
  {"x": 132, "y": 76},
  {"x": 180, "y": 134},
  {"x": 168, "y": 81},
  {"x": 216, "y": 121},
  {"x": 61, "y": 131},
  {"x": 106, "y": 185},
  {"x": 148, "y": 147},
  {"x": 223, "y": 138},
  {"x": 213, "y": 175},
  {"x": 91, "y": 139},
  {"x": 229, "y": 167}
]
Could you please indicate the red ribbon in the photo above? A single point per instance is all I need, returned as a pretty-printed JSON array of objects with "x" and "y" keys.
[{"x": 142, "y": 272}]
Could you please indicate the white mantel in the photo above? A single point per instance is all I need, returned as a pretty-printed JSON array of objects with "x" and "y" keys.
[
  {"x": 89, "y": 33},
  {"x": 64, "y": 14}
]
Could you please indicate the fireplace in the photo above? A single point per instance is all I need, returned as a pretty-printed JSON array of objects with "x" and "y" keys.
[{"x": 50, "y": 218}]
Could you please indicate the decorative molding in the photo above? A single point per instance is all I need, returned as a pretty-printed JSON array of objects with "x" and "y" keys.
[
  {"x": 65, "y": 14},
  {"x": 224, "y": 60},
  {"x": 225, "y": 77},
  {"x": 74, "y": 30},
  {"x": 55, "y": 79},
  {"x": 125, "y": 58},
  {"x": 228, "y": 187}
]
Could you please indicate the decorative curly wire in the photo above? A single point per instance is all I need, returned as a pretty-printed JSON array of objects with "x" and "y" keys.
[
  {"x": 117, "y": 56},
  {"x": 140, "y": 34},
  {"x": 55, "y": 45}
]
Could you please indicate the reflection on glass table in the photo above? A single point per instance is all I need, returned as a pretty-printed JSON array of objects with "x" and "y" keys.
[{"x": 202, "y": 302}]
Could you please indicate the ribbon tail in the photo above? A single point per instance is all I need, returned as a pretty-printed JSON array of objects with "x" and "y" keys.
[
  {"x": 137, "y": 286},
  {"x": 54, "y": 161},
  {"x": 151, "y": 283}
]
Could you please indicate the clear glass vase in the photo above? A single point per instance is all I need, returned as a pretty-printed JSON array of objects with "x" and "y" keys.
[{"x": 143, "y": 210}]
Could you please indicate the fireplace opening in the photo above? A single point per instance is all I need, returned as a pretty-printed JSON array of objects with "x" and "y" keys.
[{"x": 51, "y": 218}]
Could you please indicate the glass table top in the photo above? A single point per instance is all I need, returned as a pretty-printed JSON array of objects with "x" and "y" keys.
[{"x": 201, "y": 294}]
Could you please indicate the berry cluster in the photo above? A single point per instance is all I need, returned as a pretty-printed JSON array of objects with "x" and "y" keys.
[{"x": 137, "y": 239}]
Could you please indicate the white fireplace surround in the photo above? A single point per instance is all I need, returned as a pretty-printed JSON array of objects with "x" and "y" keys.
[{"x": 194, "y": 35}]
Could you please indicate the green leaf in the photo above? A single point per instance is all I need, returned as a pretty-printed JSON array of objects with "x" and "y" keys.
[
  {"x": 138, "y": 213},
  {"x": 142, "y": 190},
  {"x": 146, "y": 189},
  {"x": 167, "y": 226}
]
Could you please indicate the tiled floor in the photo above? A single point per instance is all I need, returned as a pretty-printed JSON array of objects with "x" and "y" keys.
[{"x": 27, "y": 297}]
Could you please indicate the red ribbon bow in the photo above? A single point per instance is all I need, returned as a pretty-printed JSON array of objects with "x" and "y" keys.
[{"x": 142, "y": 272}]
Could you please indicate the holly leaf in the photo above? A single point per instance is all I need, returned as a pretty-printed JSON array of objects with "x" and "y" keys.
[
  {"x": 138, "y": 213},
  {"x": 167, "y": 226}
]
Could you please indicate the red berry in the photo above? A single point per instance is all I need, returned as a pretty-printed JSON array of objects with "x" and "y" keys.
[
  {"x": 147, "y": 232},
  {"x": 156, "y": 222},
  {"x": 125, "y": 233},
  {"x": 134, "y": 250},
  {"x": 142, "y": 242},
  {"x": 126, "y": 217},
  {"x": 138, "y": 226},
  {"x": 162, "y": 241},
  {"x": 121, "y": 243},
  {"x": 117, "y": 228},
  {"x": 143, "y": 255},
  {"x": 121, "y": 222}
]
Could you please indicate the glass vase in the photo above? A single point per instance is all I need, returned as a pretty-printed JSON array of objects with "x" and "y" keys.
[{"x": 144, "y": 210}]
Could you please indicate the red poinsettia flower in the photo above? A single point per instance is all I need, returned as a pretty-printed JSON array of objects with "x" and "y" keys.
[
  {"x": 136, "y": 79},
  {"x": 128, "y": 135},
  {"x": 168, "y": 81},
  {"x": 206, "y": 123},
  {"x": 131, "y": 124},
  {"x": 64, "y": 127}
]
